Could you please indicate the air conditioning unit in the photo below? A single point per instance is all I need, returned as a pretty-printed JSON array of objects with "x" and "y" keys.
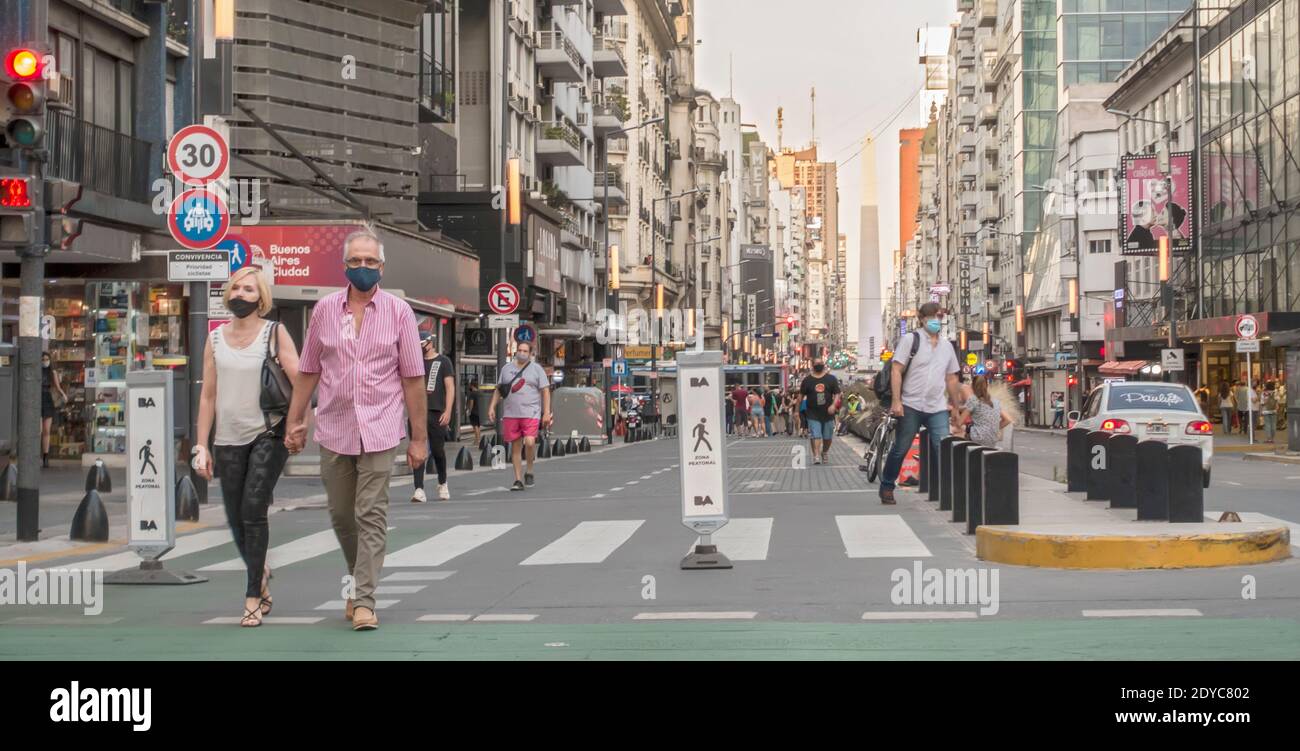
[
  {"x": 528, "y": 31},
  {"x": 536, "y": 38},
  {"x": 582, "y": 119},
  {"x": 512, "y": 91},
  {"x": 62, "y": 89},
  {"x": 537, "y": 112}
]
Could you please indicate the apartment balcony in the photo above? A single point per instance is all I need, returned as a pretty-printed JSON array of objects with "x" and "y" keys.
[
  {"x": 437, "y": 92},
  {"x": 986, "y": 13},
  {"x": 989, "y": 177},
  {"x": 99, "y": 158},
  {"x": 966, "y": 112},
  {"x": 991, "y": 150},
  {"x": 607, "y": 118},
  {"x": 559, "y": 144},
  {"x": 607, "y": 57},
  {"x": 989, "y": 246},
  {"x": 967, "y": 84},
  {"x": 966, "y": 58},
  {"x": 617, "y": 188},
  {"x": 967, "y": 142},
  {"x": 966, "y": 30},
  {"x": 970, "y": 198},
  {"x": 709, "y": 158},
  {"x": 617, "y": 146},
  {"x": 989, "y": 214},
  {"x": 557, "y": 57},
  {"x": 989, "y": 115},
  {"x": 970, "y": 227},
  {"x": 610, "y": 7}
]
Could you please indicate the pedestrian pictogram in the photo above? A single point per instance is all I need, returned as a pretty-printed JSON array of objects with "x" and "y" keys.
[
  {"x": 503, "y": 298},
  {"x": 701, "y": 434},
  {"x": 146, "y": 458}
]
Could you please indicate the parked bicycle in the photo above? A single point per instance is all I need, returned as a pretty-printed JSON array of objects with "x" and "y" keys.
[{"x": 882, "y": 442}]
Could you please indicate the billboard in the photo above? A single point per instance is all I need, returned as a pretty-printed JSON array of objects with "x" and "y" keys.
[{"x": 1154, "y": 204}]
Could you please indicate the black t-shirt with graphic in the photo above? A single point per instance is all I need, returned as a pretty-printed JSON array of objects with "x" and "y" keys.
[
  {"x": 436, "y": 372},
  {"x": 821, "y": 395}
]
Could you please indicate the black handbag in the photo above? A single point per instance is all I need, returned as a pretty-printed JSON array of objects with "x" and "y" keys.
[{"x": 277, "y": 389}]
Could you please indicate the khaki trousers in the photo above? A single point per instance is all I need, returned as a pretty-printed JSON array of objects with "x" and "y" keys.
[{"x": 357, "y": 491}]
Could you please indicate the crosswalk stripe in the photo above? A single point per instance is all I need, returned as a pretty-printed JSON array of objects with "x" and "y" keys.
[
  {"x": 184, "y": 546},
  {"x": 340, "y": 605},
  {"x": 295, "y": 551},
  {"x": 743, "y": 539},
  {"x": 589, "y": 542},
  {"x": 269, "y": 620},
  {"x": 398, "y": 589},
  {"x": 738, "y": 615},
  {"x": 446, "y": 545},
  {"x": 1258, "y": 518},
  {"x": 899, "y": 615},
  {"x": 1143, "y": 613},
  {"x": 444, "y": 618},
  {"x": 504, "y": 617},
  {"x": 879, "y": 536},
  {"x": 417, "y": 576}
]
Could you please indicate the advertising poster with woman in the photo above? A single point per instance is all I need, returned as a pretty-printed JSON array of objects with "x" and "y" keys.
[{"x": 1155, "y": 204}]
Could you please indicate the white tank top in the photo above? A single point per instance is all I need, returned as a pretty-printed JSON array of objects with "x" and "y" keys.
[{"x": 239, "y": 389}]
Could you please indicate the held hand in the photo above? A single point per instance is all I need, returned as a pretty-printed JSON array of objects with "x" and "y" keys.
[
  {"x": 547, "y": 419},
  {"x": 417, "y": 453},
  {"x": 296, "y": 438}
]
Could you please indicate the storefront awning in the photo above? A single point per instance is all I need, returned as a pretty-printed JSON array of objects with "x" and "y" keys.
[
  {"x": 560, "y": 333},
  {"x": 1121, "y": 369},
  {"x": 437, "y": 309}
]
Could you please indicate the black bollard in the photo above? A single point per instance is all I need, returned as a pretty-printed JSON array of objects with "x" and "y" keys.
[
  {"x": 1001, "y": 489},
  {"x": 557, "y": 448},
  {"x": 97, "y": 478},
  {"x": 627, "y": 435},
  {"x": 945, "y": 472},
  {"x": 975, "y": 487},
  {"x": 484, "y": 442},
  {"x": 187, "y": 500},
  {"x": 1153, "y": 481},
  {"x": 9, "y": 482},
  {"x": 1076, "y": 460},
  {"x": 932, "y": 493},
  {"x": 464, "y": 460},
  {"x": 543, "y": 448},
  {"x": 485, "y": 456},
  {"x": 1121, "y": 457},
  {"x": 1097, "y": 479},
  {"x": 90, "y": 522},
  {"x": 1186, "y": 491},
  {"x": 571, "y": 447},
  {"x": 923, "y": 458},
  {"x": 584, "y": 445},
  {"x": 961, "y": 455}
]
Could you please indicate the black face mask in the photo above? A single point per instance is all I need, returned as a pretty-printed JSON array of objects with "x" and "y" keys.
[
  {"x": 819, "y": 369},
  {"x": 240, "y": 307}
]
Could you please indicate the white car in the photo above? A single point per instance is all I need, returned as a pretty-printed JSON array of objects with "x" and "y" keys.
[{"x": 1150, "y": 411}]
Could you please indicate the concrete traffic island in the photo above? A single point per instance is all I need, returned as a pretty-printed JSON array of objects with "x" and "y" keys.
[{"x": 1133, "y": 545}]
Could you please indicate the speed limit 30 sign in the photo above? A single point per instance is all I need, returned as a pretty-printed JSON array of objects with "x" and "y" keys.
[{"x": 198, "y": 155}]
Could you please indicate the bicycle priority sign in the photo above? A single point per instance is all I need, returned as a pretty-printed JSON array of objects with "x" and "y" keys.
[{"x": 198, "y": 219}]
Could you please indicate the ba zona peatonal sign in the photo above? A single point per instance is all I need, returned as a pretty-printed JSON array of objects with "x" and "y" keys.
[{"x": 151, "y": 462}]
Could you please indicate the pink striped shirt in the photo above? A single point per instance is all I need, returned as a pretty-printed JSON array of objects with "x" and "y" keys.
[{"x": 360, "y": 406}]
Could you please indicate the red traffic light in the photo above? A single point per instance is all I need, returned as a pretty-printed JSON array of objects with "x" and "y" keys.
[
  {"x": 14, "y": 193},
  {"x": 23, "y": 64},
  {"x": 1072, "y": 381}
]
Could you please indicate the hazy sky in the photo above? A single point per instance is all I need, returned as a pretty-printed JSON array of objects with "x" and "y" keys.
[{"x": 862, "y": 57}]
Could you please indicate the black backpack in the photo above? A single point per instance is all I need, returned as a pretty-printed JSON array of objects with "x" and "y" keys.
[{"x": 883, "y": 385}]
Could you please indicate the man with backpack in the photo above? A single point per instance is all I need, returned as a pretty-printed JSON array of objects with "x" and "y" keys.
[{"x": 924, "y": 367}]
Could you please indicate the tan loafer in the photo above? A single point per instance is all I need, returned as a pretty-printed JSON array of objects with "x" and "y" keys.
[
  {"x": 347, "y": 609},
  {"x": 364, "y": 619}
]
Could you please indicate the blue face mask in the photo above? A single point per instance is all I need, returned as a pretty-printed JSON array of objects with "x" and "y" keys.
[
  {"x": 363, "y": 278},
  {"x": 933, "y": 325}
]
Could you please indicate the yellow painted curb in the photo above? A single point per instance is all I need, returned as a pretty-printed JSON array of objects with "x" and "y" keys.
[{"x": 1084, "y": 551}]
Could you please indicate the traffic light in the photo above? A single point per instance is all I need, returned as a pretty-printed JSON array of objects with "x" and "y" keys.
[
  {"x": 790, "y": 322},
  {"x": 1072, "y": 381},
  {"x": 17, "y": 212},
  {"x": 25, "y": 96}
]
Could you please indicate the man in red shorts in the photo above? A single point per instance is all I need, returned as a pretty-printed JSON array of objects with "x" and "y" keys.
[{"x": 524, "y": 387}]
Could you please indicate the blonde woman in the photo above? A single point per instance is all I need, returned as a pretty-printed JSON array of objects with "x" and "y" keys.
[{"x": 248, "y": 449}]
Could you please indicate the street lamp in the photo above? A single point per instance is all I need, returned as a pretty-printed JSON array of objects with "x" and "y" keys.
[{"x": 612, "y": 264}]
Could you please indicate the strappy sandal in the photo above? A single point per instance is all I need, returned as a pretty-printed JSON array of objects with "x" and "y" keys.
[
  {"x": 266, "y": 601},
  {"x": 252, "y": 618}
]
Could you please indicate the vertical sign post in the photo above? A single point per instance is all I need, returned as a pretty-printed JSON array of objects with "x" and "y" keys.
[
  {"x": 150, "y": 478},
  {"x": 703, "y": 456}
]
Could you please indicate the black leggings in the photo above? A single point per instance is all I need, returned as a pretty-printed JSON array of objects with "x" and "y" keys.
[
  {"x": 248, "y": 476},
  {"x": 437, "y": 452}
]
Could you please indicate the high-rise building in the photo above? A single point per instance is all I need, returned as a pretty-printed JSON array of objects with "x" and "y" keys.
[{"x": 866, "y": 310}]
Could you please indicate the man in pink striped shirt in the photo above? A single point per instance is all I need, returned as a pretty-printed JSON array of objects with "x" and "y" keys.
[{"x": 363, "y": 350}]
